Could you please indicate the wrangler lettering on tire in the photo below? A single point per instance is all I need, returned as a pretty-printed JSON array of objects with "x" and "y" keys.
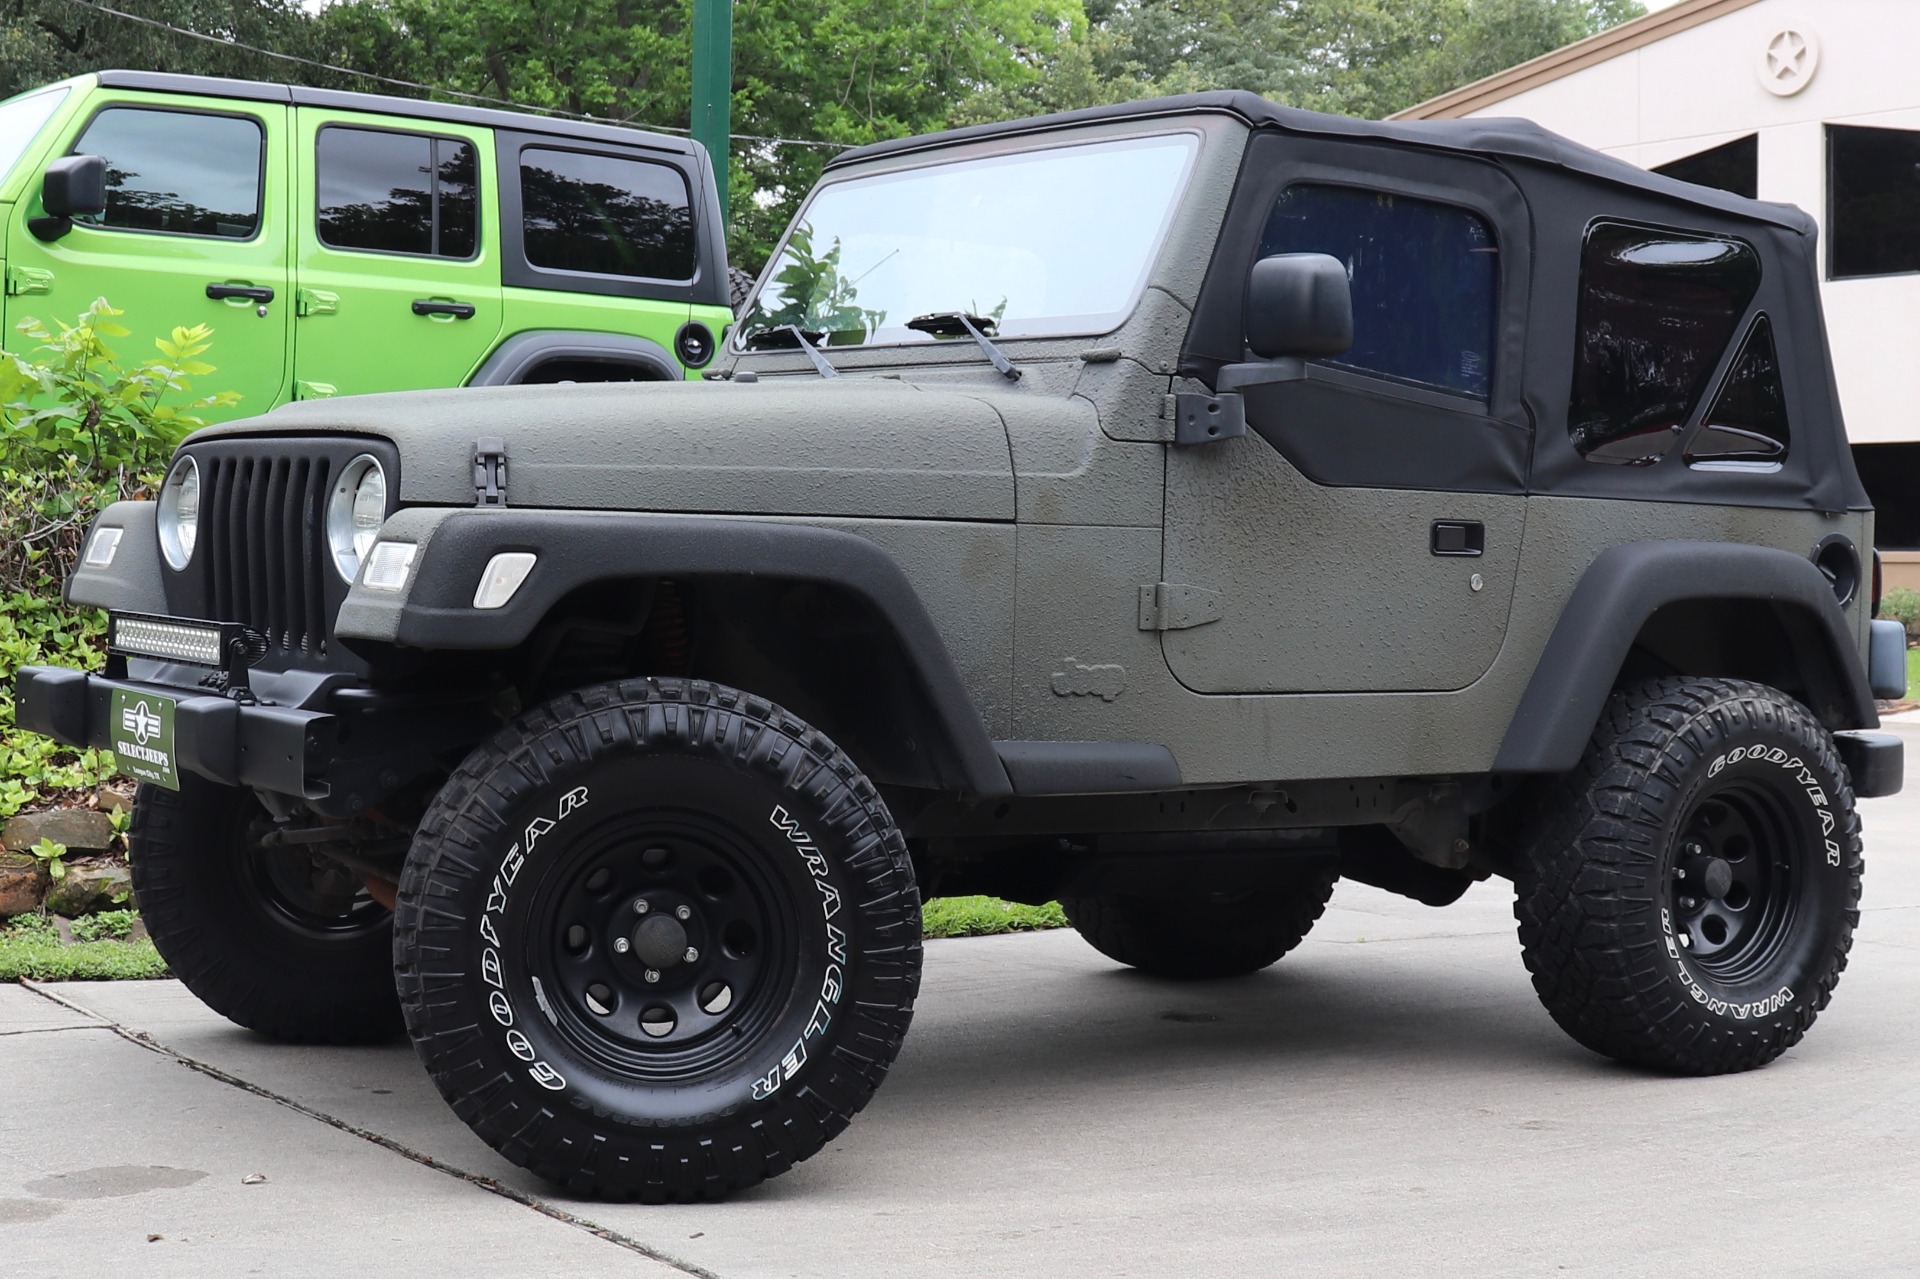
[{"x": 657, "y": 939}]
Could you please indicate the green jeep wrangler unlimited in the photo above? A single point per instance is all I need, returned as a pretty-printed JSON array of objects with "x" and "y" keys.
[
  {"x": 343, "y": 242},
  {"x": 1169, "y": 508}
]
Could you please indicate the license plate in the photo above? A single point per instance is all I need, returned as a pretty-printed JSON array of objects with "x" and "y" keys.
[{"x": 142, "y": 737}]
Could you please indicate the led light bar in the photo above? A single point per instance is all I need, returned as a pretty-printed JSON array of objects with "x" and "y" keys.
[{"x": 171, "y": 639}]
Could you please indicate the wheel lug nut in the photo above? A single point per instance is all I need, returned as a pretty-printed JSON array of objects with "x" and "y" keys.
[
  {"x": 1689, "y": 903},
  {"x": 621, "y": 945},
  {"x": 640, "y": 906},
  {"x": 691, "y": 955},
  {"x": 683, "y": 912},
  {"x": 653, "y": 974}
]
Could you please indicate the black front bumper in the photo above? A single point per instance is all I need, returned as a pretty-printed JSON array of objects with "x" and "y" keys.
[{"x": 274, "y": 748}]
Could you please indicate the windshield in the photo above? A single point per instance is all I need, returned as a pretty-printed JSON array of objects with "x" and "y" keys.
[
  {"x": 1039, "y": 243},
  {"x": 21, "y": 121}
]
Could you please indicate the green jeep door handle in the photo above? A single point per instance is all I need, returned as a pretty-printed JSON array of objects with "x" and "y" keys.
[
  {"x": 239, "y": 292},
  {"x": 439, "y": 306}
]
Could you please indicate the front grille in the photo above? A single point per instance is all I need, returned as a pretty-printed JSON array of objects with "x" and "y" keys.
[{"x": 262, "y": 518}]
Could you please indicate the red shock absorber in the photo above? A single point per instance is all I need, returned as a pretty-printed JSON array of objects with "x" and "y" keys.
[{"x": 669, "y": 632}]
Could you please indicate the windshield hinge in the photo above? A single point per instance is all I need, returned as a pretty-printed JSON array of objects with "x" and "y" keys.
[
  {"x": 1174, "y": 606},
  {"x": 490, "y": 471},
  {"x": 1199, "y": 418}
]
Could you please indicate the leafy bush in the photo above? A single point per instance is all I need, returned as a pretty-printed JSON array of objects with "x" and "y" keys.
[
  {"x": 78, "y": 431},
  {"x": 108, "y": 925},
  {"x": 1902, "y": 604}
]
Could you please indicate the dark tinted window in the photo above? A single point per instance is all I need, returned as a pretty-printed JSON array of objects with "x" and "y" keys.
[
  {"x": 1425, "y": 278},
  {"x": 396, "y": 192},
  {"x": 1873, "y": 201},
  {"x": 1891, "y": 475},
  {"x": 178, "y": 171},
  {"x": 1657, "y": 311},
  {"x": 1734, "y": 166},
  {"x": 1748, "y": 420},
  {"x": 605, "y": 215}
]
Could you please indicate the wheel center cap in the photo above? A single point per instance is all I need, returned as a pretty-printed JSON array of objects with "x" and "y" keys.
[
  {"x": 1709, "y": 876},
  {"x": 660, "y": 941}
]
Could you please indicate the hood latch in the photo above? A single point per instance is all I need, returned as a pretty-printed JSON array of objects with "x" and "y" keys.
[{"x": 490, "y": 471}]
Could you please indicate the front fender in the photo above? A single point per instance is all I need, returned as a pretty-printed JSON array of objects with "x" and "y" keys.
[
  {"x": 434, "y": 609},
  {"x": 1621, "y": 590}
]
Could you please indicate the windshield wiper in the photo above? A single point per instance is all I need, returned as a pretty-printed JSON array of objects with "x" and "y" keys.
[
  {"x": 788, "y": 337},
  {"x": 953, "y": 324}
]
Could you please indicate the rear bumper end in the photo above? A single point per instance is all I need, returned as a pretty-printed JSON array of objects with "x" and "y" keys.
[
  {"x": 1876, "y": 760},
  {"x": 274, "y": 748}
]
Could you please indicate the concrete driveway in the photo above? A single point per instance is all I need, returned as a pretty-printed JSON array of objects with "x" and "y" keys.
[{"x": 1388, "y": 1100}]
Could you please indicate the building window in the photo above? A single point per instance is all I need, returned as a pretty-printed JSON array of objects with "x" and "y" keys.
[
  {"x": 1657, "y": 311},
  {"x": 1747, "y": 425},
  {"x": 1873, "y": 201},
  {"x": 178, "y": 172},
  {"x": 390, "y": 192},
  {"x": 1732, "y": 166},
  {"x": 605, "y": 215},
  {"x": 1891, "y": 475},
  {"x": 1425, "y": 280}
]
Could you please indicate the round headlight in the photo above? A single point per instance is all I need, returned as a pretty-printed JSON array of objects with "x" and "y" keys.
[
  {"x": 355, "y": 512},
  {"x": 179, "y": 516}
]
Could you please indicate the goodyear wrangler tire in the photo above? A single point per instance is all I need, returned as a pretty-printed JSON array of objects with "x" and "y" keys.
[
  {"x": 1191, "y": 939},
  {"x": 1693, "y": 892},
  {"x": 657, "y": 939},
  {"x": 283, "y": 942}
]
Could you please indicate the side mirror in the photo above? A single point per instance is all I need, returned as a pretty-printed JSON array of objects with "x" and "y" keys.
[
  {"x": 1299, "y": 304},
  {"x": 74, "y": 185}
]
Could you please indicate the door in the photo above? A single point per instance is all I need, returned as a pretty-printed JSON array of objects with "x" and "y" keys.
[
  {"x": 1364, "y": 534},
  {"x": 398, "y": 258},
  {"x": 195, "y": 232}
]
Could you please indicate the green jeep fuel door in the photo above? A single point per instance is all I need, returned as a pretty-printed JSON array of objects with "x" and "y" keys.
[
  {"x": 398, "y": 260},
  {"x": 195, "y": 232}
]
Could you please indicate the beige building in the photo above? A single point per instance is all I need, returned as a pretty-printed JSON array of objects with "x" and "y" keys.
[{"x": 1809, "y": 102}]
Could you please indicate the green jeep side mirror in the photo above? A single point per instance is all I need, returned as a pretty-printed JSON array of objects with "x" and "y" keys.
[
  {"x": 1299, "y": 304},
  {"x": 74, "y": 185}
]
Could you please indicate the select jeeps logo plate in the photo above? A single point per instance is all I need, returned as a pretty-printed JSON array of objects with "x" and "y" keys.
[{"x": 141, "y": 734}]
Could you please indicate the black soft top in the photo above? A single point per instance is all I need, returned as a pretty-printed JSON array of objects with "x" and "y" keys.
[{"x": 1514, "y": 138}]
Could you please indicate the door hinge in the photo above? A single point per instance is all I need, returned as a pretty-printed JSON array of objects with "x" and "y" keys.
[
  {"x": 490, "y": 471},
  {"x": 314, "y": 390},
  {"x": 1171, "y": 606},
  {"x": 28, "y": 279},
  {"x": 315, "y": 302},
  {"x": 1202, "y": 419}
]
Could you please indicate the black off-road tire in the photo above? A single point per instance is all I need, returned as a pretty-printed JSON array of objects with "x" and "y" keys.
[
  {"x": 1195, "y": 938},
  {"x": 1631, "y": 949},
  {"x": 247, "y": 932},
  {"x": 556, "y": 878}
]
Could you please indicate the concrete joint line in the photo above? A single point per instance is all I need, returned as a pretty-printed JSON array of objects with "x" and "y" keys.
[
  {"x": 488, "y": 1184},
  {"x": 49, "y": 1030}
]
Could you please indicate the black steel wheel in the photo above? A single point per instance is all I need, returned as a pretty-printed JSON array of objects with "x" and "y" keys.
[
  {"x": 1691, "y": 897},
  {"x": 657, "y": 939},
  {"x": 1193, "y": 938},
  {"x": 285, "y": 942}
]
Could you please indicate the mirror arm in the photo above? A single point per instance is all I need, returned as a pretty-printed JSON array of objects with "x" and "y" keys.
[
  {"x": 49, "y": 227},
  {"x": 1233, "y": 377}
]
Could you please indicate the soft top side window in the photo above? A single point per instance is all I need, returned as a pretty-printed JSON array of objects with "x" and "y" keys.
[
  {"x": 1425, "y": 279},
  {"x": 1658, "y": 309},
  {"x": 178, "y": 172},
  {"x": 605, "y": 215}
]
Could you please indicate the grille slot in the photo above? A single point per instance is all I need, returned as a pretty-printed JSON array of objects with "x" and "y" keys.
[{"x": 266, "y": 555}]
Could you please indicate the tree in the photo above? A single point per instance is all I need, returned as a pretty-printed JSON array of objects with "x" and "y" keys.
[{"x": 43, "y": 40}]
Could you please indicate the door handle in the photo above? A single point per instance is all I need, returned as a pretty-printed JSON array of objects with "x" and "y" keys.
[
  {"x": 1459, "y": 537},
  {"x": 248, "y": 292},
  {"x": 439, "y": 306}
]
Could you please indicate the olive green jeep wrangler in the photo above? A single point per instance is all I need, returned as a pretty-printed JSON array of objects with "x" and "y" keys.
[{"x": 1168, "y": 508}]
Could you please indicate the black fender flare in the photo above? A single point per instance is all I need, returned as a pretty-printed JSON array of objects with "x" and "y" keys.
[
  {"x": 520, "y": 354},
  {"x": 578, "y": 548},
  {"x": 1622, "y": 588}
]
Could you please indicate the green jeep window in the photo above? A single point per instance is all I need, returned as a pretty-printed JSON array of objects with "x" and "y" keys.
[
  {"x": 388, "y": 192},
  {"x": 21, "y": 120},
  {"x": 178, "y": 172},
  {"x": 604, "y": 215}
]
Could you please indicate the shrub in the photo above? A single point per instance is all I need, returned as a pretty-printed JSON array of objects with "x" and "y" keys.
[
  {"x": 1902, "y": 604},
  {"x": 78, "y": 431}
]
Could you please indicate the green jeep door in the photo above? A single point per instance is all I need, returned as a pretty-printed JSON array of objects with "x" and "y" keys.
[
  {"x": 195, "y": 232},
  {"x": 398, "y": 265}
]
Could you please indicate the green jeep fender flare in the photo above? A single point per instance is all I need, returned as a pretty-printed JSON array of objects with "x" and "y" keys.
[
  {"x": 434, "y": 609},
  {"x": 1623, "y": 587}
]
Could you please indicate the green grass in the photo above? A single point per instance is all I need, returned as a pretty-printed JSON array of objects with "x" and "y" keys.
[
  {"x": 1913, "y": 673},
  {"x": 979, "y": 916},
  {"x": 29, "y": 947}
]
